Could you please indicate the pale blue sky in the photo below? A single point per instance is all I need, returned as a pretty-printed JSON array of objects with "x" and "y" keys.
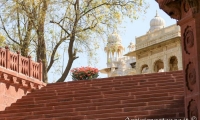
[{"x": 132, "y": 29}]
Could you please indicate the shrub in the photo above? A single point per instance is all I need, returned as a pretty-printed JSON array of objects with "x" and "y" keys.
[{"x": 84, "y": 73}]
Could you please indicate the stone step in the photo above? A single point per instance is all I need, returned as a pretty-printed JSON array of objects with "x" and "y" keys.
[
  {"x": 71, "y": 101},
  {"x": 139, "y": 76},
  {"x": 124, "y": 99},
  {"x": 102, "y": 91},
  {"x": 71, "y": 112},
  {"x": 99, "y": 102},
  {"x": 143, "y": 76},
  {"x": 119, "y": 85},
  {"x": 81, "y": 107},
  {"x": 157, "y": 95},
  {"x": 111, "y": 81},
  {"x": 98, "y": 96}
]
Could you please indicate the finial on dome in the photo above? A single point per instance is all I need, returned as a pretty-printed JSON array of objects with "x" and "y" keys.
[{"x": 156, "y": 13}]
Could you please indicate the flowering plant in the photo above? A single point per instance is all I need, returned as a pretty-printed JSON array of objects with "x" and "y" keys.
[{"x": 84, "y": 73}]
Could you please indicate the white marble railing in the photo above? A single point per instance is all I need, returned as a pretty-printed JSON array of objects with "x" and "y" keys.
[
  {"x": 115, "y": 61},
  {"x": 158, "y": 36}
]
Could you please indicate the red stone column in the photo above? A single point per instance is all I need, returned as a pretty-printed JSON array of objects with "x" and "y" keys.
[
  {"x": 40, "y": 71},
  {"x": 187, "y": 13},
  {"x": 7, "y": 58}
]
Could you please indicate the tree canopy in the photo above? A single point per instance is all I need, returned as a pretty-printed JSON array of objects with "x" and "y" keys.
[{"x": 40, "y": 27}]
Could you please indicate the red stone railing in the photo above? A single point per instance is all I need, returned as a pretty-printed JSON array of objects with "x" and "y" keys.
[
  {"x": 20, "y": 64},
  {"x": 18, "y": 76}
]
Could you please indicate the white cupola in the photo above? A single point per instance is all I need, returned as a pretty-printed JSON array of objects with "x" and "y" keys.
[
  {"x": 114, "y": 38},
  {"x": 156, "y": 23},
  {"x": 114, "y": 47}
]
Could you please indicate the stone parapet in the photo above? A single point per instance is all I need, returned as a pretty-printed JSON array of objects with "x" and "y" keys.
[
  {"x": 18, "y": 76},
  {"x": 162, "y": 35}
]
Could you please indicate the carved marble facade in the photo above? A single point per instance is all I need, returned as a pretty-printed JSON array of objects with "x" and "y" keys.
[{"x": 159, "y": 50}]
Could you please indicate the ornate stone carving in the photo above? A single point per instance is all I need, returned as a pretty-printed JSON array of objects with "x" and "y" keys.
[
  {"x": 24, "y": 83},
  {"x": 6, "y": 77},
  {"x": 192, "y": 109},
  {"x": 19, "y": 82},
  {"x": 186, "y": 6},
  {"x": 175, "y": 11},
  {"x": 171, "y": 7},
  {"x": 164, "y": 2},
  {"x": 193, "y": 4},
  {"x": 188, "y": 39},
  {"x": 15, "y": 80},
  {"x": 190, "y": 76}
]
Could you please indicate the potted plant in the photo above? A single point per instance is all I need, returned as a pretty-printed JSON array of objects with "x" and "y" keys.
[{"x": 84, "y": 73}]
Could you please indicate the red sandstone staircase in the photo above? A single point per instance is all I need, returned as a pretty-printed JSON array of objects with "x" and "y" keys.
[{"x": 153, "y": 96}]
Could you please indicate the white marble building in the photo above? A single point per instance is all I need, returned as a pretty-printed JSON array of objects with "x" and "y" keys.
[{"x": 158, "y": 50}]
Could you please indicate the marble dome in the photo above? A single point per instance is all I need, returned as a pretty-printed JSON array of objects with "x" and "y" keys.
[
  {"x": 156, "y": 23},
  {"x": 114, "y": 44},
  {"x": 114, "y": 38}
]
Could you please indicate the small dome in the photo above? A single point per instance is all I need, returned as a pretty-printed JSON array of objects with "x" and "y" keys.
[
  {"x": 114, "y": 38},
  {"x": 114, "y": 44},
  {"x": 131, "y": 46},
  {"x": 156, "y": 23}
]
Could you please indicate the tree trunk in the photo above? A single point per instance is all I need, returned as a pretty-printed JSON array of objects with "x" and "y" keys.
[
  {"x": 41, "y": 52},
  {"x": 67, "y": 69},
  {"x": 26, "y": 41},
  {"x": 41, "y": 49},
  {"x": 71, "y": 54}
]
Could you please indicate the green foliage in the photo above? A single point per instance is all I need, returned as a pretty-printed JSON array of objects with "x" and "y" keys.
[
  {"x": 80, "y": 24},
  {"x": 84, "y": 73},
  {"x": 2, "y": 40}
]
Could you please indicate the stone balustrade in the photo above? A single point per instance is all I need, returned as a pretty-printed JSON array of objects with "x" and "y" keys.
[
  {"x": 157, "y": 36},
  {"x": 20, "y": 70},
  {"x": 20, "y": 64},
  {"x": 18, "y": 76}
]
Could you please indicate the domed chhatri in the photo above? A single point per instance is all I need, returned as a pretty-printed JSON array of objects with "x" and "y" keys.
[
  {"x": 114, "y": 38},
  {"x": 156, "y": 23},
  {"x": 114, "y": 45}
]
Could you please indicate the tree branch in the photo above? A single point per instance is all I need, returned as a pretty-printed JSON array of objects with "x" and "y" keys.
[
  {"x": 18, "y": 27},
  {"x": 7, "y": 32},
  {"x": 60, "y": 26},
  {"x": 54, "y": 52}
]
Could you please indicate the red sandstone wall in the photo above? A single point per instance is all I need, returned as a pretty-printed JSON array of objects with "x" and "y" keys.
[
  {"x": 17, "y": 75},
  {"x": 9, "y": 94}
]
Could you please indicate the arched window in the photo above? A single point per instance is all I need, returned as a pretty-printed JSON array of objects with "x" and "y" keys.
[
  {"x": 159, "y": 66},
  {"x": 144, "y": 68},
  {"x": 173, "y": 63}
]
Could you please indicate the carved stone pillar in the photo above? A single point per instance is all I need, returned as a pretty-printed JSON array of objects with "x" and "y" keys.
[
  {"x": 138, "y": 68},
  {"x": 166, "y": 64},
  {"x": 180, "y": 65},
  {"x": 150, "y": 70},
  {"x": 150, "y": 65},
  {"x": 165, "y": 60},
  {"x": 187, "y": 13}
]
